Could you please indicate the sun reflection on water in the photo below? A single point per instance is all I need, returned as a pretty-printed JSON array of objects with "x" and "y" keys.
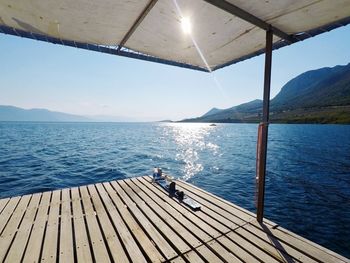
[{"x": 191, "y": 139}]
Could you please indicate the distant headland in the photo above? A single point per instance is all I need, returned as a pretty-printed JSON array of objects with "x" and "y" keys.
[{"x": 316, "y": 96}]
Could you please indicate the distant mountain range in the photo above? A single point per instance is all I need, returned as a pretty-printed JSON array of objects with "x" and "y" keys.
[
  {"x": 316, "y": 96},
  {"x": 11, "y": 113}
]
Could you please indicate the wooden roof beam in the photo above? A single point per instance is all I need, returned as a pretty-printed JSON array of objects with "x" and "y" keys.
[{"x": 138, "y": 21}]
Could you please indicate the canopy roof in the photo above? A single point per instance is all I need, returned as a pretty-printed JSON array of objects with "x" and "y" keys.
[{"x": 222, "y": 32}]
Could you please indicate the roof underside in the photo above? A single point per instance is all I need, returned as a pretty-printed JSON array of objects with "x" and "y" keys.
[{"x": 223, "y": 32}]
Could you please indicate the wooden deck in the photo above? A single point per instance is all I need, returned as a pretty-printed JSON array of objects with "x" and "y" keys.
[{"x": 135, "y": 221}]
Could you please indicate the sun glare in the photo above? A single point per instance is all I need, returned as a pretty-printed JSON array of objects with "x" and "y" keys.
[{"x": 186, "y": 25}]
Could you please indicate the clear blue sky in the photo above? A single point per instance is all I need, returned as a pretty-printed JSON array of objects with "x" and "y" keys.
[{"x": 36, "y": 74}]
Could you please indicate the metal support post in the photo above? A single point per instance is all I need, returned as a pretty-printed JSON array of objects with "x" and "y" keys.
[{"x": 263, "y": 130}]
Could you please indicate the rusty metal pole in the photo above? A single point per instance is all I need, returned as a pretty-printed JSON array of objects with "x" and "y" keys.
[{"x": 263, "y": 130}]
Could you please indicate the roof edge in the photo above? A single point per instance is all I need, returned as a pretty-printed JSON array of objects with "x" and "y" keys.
[
  {"x": 112, "y": 50},
  {"x": 124, "y": 52},
  {"x": 299, "y": 36}
]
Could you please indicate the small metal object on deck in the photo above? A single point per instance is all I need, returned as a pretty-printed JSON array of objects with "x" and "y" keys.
[{"x": 134, "y": 220}]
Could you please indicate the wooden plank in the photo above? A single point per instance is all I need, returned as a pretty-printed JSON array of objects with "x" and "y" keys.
[
  {"x": 98, "y": 245},
  {"x": 208, "y": 254},
  {"x": 256, "y": 251},
  {"x": 224, "y": 253},
  {"x": 310, "y": 243},
  {"x": 199, "y": 218},
  {"x": 179, "y": 213},
  {"x": 157, "y": 238},
  {"x": 113, "y": 227},
  {"x": 66, "y": 247},
  {"x": 226, "y": 205},
  {"x": 176, "y": 210},
  {"x": 147, "y": 245},
  {"x": 238, "y": 251},
  {"x": 10, "y": 229},
  {"x": 7, "y": 212},
  {"x": 208, "y": 217},
  {"x": 170, "y": 219},
  {"x": 35, "y": 242},
  {"x": 168, "y": 232},
  {"x": 272, "y": 245},
  {"x": 236, "y": 213},
  {"x": 3, "y": 203},
  {"x": 178, "y": 260},
  {"x": 125, "y": 235},
  {"x": 50, "y": 246},
  {"x": 305, "y": 248},
  {"x": 226, "y": 218},
  {"x": 215, "y": 197},
  {"x": 215, "y": 246},
  {"x": 82, "y": 246},
  {"x": 232, "y": 208},
  {"x": 115, "y": 247},
  {"x": 19, "y": 243},
  {"x": 193, "y": 257}
]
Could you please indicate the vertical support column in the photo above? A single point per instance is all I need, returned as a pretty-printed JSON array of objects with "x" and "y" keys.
[{"x": 263, "y": 130}]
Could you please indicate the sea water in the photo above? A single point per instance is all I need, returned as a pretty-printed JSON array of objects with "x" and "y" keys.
[{"x": 307, "y": 182}]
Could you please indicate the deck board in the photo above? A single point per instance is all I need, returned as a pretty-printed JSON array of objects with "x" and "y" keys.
[
  {"x": 272, "y": 245},
  {"x": 237, "y": 250},
  {"x": 133, "y": 220},
  {"x": 306, "y": 248},
  {"x": 147, "y": 245},
  {"x": 82, "y": 246},
  {"x": 115, "y": 247},
  {"x": 225, "y": 206},
  {"x": 33, "y": 250},
  {"x": 145, "y": 223},
  {"x": 199, "y": 218},
  {"x": 8, "y": 211},
  {"x": 98, "y": 245},
  {"x": 49, "y": 253},
  {"x": 3, "y": 203},
  {"x": 239, "y": 216},
  {"x": 117, "y": 251},
  {"x": 19, "y": 244},
  {"x": 166, "y": 231},
  {"x": 66, "y": 240},
  {"x": 190, "y": 221},
  {"x": 10, "y": 230},
  {"x": 166, "y": 217},
  {"x": 192, "y": 257},
  {"x": 208, "y": 254},
  {"x": 158, "y": 208},
  {"x": 226, "y": 254}
]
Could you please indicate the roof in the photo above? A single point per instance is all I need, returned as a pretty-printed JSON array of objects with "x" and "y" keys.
[{"x": 222, "y": 32}]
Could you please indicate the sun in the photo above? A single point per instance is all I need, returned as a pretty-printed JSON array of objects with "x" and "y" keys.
[{"x": 186, "y": 25}]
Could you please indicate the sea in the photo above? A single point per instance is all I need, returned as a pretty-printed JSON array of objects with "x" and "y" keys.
[{"x": 308, "y": 166}]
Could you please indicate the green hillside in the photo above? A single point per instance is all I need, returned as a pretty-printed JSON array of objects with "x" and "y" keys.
[{"x": 317, "y": 96}]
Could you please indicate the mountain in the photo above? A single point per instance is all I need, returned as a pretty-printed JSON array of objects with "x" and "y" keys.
[
  {"x": 234, "y": 114},
  {"x": 316, "y": 88},
  {"x": 316, "y": 96},
  {"x": 11, "y": 113},
  {"x": 212, "y": 112}
]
